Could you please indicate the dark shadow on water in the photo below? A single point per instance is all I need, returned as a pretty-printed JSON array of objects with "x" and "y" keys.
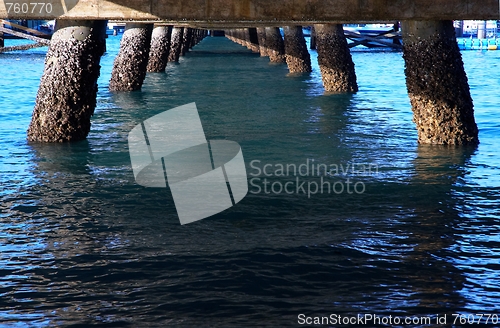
[
  {"x": 437, "y": 282},
  {"x": 65, "y": 157}
]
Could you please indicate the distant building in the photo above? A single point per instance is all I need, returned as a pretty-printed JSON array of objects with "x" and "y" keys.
[{"x": 470, "y": 28}]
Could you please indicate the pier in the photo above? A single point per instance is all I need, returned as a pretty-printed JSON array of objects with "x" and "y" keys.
[
  {"x": 347, "y": 183},
  {"x": 443, "y": 112}
]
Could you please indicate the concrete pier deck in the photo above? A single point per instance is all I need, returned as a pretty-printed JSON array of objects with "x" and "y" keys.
[{"x": 266, "y": 13}]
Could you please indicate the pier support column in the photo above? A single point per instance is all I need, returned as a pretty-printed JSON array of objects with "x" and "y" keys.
[
  {"x": 312, "y": 44},
  {"x": 176, "y": 44},
  {"x": 160, "y": 49},
  {"x": 186, "y": 40},
  {"x": 437, "y": 84},
  {"x": 334, "y": 59},
  {"x": 194, "y": 39},
  {"x": 2, "y": 44},
  {"x": 253, "y": 39},
  {"x": 261, "y": 37},
  {"x": 275, "y": 45},
  {"x": 198, "y": 37},
  {"x": 129, "y": 68},
  {"x": 66, "y": 98},
  {"x": 244, "y": 37},
  {"x": 297, "y": 56}
]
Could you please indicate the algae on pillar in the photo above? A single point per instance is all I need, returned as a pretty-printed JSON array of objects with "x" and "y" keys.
[
  {"x": 160, "y": 49},
  {"x": 297, "y": 56},
  {"x": 334, "y": 59},
  {"x": 275, "y": 45},
  {"x": 129, "y": 68},
  {"x": 66, "y": 98},
  {"x": 437, "y": 84},
  {"x": 176, "y": 44}
]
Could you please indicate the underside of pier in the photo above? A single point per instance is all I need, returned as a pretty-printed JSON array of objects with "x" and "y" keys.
[{"x": 264, "y": 12}]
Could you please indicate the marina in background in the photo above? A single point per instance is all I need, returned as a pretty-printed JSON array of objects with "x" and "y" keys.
[{"x": 471, "y": 34}]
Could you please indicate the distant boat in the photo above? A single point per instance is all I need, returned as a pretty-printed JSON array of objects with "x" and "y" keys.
[
  {"x": 370, "y": 29},
  {"x": 373, "y": 35},
  {"x": 47, "y": 27}
]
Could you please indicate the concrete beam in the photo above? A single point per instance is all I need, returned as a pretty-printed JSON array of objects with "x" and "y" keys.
[{"x": 287, "y": 12}]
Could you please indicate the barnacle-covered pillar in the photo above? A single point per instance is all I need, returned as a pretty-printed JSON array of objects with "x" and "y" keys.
[
  {"x": 437, "y": 84},
  {"x": 129, "y": 68},
  {"x": 66, "y": 97}
]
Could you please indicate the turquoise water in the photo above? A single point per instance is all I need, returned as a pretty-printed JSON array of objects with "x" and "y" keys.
[{"x": 82, "y": 244}]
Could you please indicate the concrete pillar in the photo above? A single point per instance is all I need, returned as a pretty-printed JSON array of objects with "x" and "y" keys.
[
  {"x": 186, "y": 40},
  {"x": 312, "y": 44},
  {"x": 396, "y": 28},
  {"x": 334, "y": 59},
  {"x": 194, "y": 38},
  {"x": 242, "y": 38},
  {"x": 261, "y": 37},
  {"x": 437, "y": 84},
  {"x": 275, "y": 45},
  {"x": 129, "y": 68},
  {"x": 253, "y": 39},
  {"x": 176, "y": 44},
  {"x": 66, "y": 97},
  {"x": 160, "y": 49},
  {"x": 297, "y": 56},
  {"x": 234, "y": 36},
  {"x": 245, "y": 38},
  {"x": 245, "y": 33},
  {"x": 459, "y": 30},
  {"x": 198, "y": 36},
  {"x": 230, "y": 35}
]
